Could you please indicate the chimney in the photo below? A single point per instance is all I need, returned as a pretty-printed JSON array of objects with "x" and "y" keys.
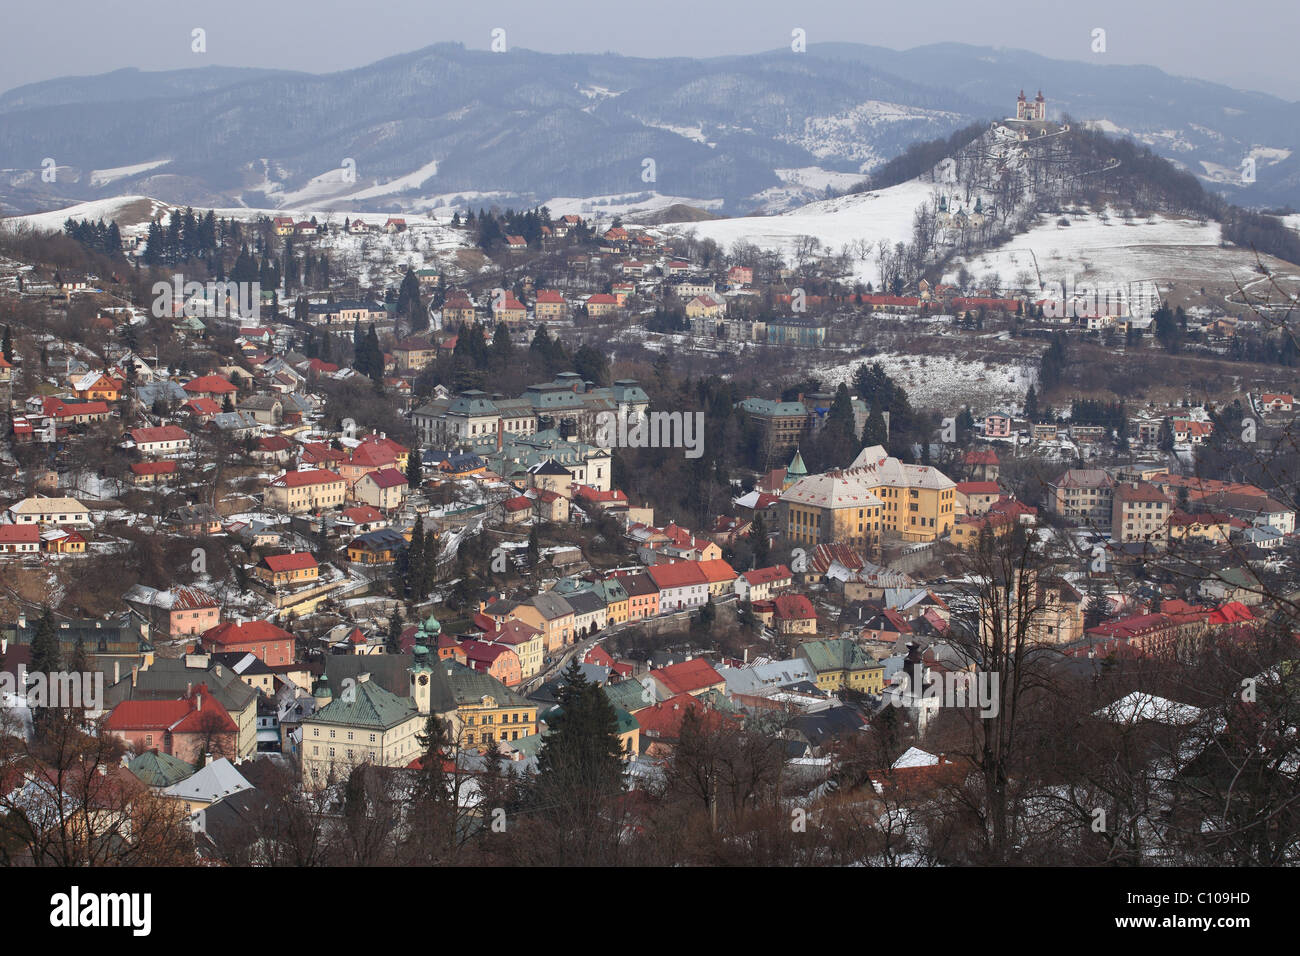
[
  {"x": 198, "y": 701},
  {"x": 189, "y": 688},
  {"x": 135, "y": 672},
  {"x": 117, "y": 669},
  {"x": 22, "y": 619}
]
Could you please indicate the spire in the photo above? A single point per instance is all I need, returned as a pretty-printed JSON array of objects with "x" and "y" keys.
[{"x": 797, "y": 467}]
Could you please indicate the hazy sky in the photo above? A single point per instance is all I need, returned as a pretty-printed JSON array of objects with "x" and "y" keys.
[{"x": 1249, "y": 45}]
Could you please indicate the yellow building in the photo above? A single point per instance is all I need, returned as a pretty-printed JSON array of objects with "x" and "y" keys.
[
  {"x": 1214, "y": 528},
  {"x": 841, "y": 664},
  {"x": 875, "y": 494},
  {"x": 298, "y": 491}
]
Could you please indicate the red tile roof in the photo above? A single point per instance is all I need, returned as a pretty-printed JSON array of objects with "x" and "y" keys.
[
  {"x": 386, "y": 477},
  {"x": 688, "y": 676},
  {"x": 767, "y": 575},
  {"x": 794, "y": 607},
  {"x": 300, "y": 479},
  {"x": 363, "y": 514},
  {"x": 202, "y": 406},
  {"x": 715, "y": 570},
  {"x": 664, "y": 720},
  {"x": 678, "y": 574},
  {"x": 20, "y": 534},
  {"x": 978, "y": 488},
  {"x": 209, "y": 383},
  {"x": 144, "y": 436},
  {"x": 296, "y": 561},
  {"x": 244, "y": 632}
]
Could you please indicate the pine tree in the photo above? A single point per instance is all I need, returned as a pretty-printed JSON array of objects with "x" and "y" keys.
[
  {"x": 758, "y": 541},
  {"x": 1095, "y": 610},
  {"x": 1031, "y": 405},
  {"x": 581, "y": 760},
  {"x": 430, "y": 560},
  {"x": 45, "y": 645},
  {"x": 502, "y": 348},
  {"x": 874, "y": 431},
  {"x": 393, "y": 642},
  {"x": 1165, "y": 440},
  {"x": 7, "y": 347},
  {"x": 80, "y": 662},
  {"x": 414, "y": 470},
  {"x": 415, "y": 566}
]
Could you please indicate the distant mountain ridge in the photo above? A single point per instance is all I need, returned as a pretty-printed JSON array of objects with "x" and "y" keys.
[{"x": 445, "y": 125}]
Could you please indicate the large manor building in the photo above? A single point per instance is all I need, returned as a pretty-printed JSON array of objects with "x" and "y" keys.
[{"x": 875, "y": 494}]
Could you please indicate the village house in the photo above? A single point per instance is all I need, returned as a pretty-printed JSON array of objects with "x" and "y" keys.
[
  {"x": 763, "y": 583},
  {"x": 187, "y": 729},
  {"x": 163, "y": 441},
  {"x": 20, "y": 539},
  {"x": 551, "y": 614},
  {"x": 59, "y": 512},
  {"x": 214, "y": 387},
  {"x": 841, "y": 664},
  {"x": 694, "y": 676},
  {"x": 549, "y": 306},
  {"x": 267, "y": 642},
  {"x": 379, "y": 547},
  {"x": 1140, "y": 514},
  {"x": 384, "y": 488},
  {"x": 682, "y": 585},
  {"x": 178, "y": 611},
  {"x": 152, "y": 472},
  {"x": 287, "y": 570},
  {"x": 296, "y": 492}
]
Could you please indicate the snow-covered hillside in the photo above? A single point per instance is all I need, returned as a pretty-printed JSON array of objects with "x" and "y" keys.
[{"x": 843, "y": 221}]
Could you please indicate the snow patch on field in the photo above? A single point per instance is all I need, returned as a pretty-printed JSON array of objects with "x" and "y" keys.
[
  {"x": 843, "y": 134},
  {"x": 1110, "y": 250},
  {"x": 621, "y": 204},
  {"x": 125, "y": 210},
  {"x": 943, "y": 382},
  {"x": 102, "y": 177},
  {"x": 694, "y": 133},
  {"x": 401, "y": 184},
  {"x": 884, "y": 214}
]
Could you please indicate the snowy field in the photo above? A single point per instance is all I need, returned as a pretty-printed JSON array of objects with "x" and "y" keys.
[
  {"x": 941, "y": 381},
  {"x": 885, "y": 214},
  {"x": 1114, "y": 251}
]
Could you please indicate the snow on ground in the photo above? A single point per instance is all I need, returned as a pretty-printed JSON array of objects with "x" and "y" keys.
[
  {"x": 884, "y": 214},
  {"x": 1114, "y": 251},
  {"x": 841, "y": 134},
  {"x": 333, "y": 186},
  {"x": 694, "y": 133},
  {"x": 126, "y": 210},
  {"x": 621, "y": 204},
  {"x": 803, "y": 185},
  {"x": 941, "y": 381},
  {"x": 102, "y": 177}
]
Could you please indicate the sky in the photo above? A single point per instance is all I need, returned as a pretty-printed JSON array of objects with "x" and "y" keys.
[{"x": 1247, "y": 45}]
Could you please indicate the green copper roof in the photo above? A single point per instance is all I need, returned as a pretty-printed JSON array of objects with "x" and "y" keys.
[
  {"x": 797, "y": 467},
  {"x": 160, "y": 770},
  {"x": 365, "y": 704}
]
